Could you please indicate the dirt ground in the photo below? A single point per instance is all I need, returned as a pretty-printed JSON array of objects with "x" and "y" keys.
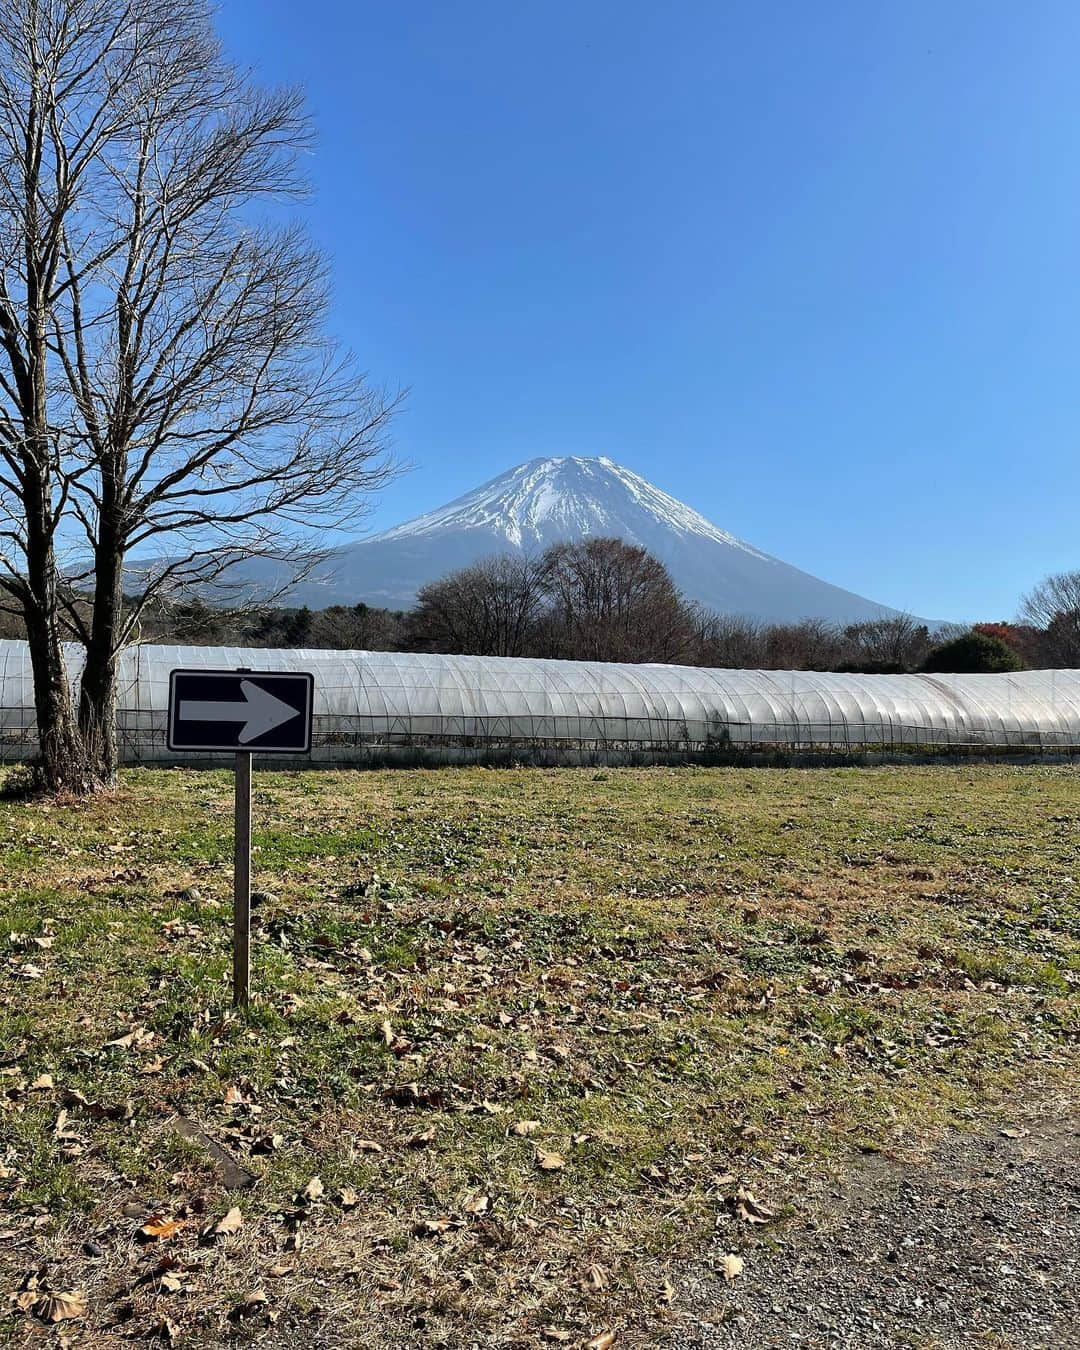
[{"x": 977, "y": 1243}]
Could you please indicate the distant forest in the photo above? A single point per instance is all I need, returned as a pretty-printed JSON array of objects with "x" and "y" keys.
[{"x": 607, "y": 600}]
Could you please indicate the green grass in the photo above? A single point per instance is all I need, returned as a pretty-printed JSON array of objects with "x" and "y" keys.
[{"x": 680, "y": 974}]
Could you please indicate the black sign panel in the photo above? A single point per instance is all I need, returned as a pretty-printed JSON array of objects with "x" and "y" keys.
[{"x": 240, "y": 710}]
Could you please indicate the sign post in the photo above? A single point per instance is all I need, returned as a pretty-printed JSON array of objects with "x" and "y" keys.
[
  {"x": 242, "y": 881},
  {"x": 243, "y": 711}
]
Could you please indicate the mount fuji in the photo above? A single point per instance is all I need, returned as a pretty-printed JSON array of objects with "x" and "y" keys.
[{"x": 569, "y": 498}]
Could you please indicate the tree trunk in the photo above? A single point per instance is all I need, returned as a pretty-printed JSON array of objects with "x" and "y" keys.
[
  {"x": 62, "y": 764},
  {"x": 97, "y": 699}
]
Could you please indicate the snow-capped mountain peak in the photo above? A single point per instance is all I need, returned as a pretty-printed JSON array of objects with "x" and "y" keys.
[
  {"x": 566, "y": 497},
  {"x": 570, "y": 497}
]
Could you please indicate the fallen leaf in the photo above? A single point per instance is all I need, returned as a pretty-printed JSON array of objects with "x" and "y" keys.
[
  {"x": 749, "y": 1210},
  {"x": 604, "y": 1341},
  {"x": 61, "y": 1129},
  {"x": 276, "y": 1272},
  {"x": 158, "y": 1229},
  {"x": 61, "y": 1307},
  {"x": 525, "y": 1128},
  {"x": 549, "y": 1162},
  {"x": 367, "y": 1146},
  {"x": 252, "y": 1302},
  {"x": 554, "y": 1334},
  {"x": 479, "y": 1204},
  {"x": 348, "y": 1198},
  {"x": 667, "y": 1292},
  {"x": 421, "y": 1139},
  {"x": 595, "y": 1278},
  {"x": 42, "y": 1083},
  {"x": 1011, "y": 1132},
  {"x": 138, "y": 1036},
  {"x": 229, "y": 1223},
  {"x": 312, "y": 1191},
  {"x": 435, "y": 1227},
  {"x": 731, "y": 1266}
]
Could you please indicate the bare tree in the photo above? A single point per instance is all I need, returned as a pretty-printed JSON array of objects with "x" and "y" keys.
[
  {"x": 613, "y": 601},
  {"x": 1053, "y": 607},
  {"x": 488, "y": 609},
  {"x": 170, "y": 395},
  {"x": 812, "y": 644},
  {"x": 727, "y": 641},
  {"x": 895, "y": 642}
]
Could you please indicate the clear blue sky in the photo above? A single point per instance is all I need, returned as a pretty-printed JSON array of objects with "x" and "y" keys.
[{"x": 814, "y": 268}]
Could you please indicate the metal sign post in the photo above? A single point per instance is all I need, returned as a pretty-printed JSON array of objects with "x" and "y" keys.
[
  {"x": 242, "y": 711},
  {"x": 242, "y": 881}
]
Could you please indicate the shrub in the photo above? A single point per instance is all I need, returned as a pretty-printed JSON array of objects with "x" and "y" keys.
[{"x": 973, "y": 653}]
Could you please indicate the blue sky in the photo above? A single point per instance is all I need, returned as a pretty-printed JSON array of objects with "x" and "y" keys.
[{"x": 814, "y": 268}]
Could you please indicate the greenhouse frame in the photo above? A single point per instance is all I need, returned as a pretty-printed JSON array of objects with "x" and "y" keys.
[{"x": 401, "y": 707}]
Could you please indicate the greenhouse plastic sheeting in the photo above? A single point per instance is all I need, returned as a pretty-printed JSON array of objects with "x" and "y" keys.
[{"x": 367, "y": 703}]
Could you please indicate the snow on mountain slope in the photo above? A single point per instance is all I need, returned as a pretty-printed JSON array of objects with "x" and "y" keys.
[{"x": 567, "y": 498}]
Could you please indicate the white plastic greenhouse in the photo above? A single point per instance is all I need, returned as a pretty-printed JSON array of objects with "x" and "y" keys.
[{"x": 393, "y": 706}]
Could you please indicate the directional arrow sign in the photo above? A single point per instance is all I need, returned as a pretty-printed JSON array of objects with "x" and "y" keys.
[{"x": 267, "y": 711}]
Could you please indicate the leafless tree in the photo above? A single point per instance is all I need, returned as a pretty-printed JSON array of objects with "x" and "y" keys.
[
  {"x": 169, "y": 394},
  {"x": 897, "y": 641},
  {"x": 488, "y": 609},
  {"x": 613, "y": 601},
  {"x": 1053, "y": 607},
  {"x": 727, "y": 641},
  {"x": 813, "y": 644}
]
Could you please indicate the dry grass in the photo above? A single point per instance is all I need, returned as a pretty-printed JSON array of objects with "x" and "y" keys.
[{"x": 691, "y": 981}]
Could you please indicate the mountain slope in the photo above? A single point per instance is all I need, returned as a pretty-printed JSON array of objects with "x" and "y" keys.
[{"x": 546, "y": 500}]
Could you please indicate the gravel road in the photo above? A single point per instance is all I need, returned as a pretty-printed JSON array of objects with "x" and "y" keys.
[{"x": 975, "y": 1244}]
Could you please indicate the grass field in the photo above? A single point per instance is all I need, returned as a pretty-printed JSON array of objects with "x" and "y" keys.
[{"x": 532, "y": 1032}]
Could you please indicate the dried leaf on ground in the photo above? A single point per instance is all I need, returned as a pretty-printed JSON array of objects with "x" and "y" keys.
[
  {"x": 748, "y": 1209},
  {"x": 61, "y": 1307},
  {"x": 157, "y": 1229},
  {"x": 138, "y": 1036},
  {"x": 229, "y": 1223},
  {"x": 435, "y": 1227},
  {"x": 595, "y": 1278},
  {"x": 549, "y": 1162},
  {"x": 252, "y": 1302},
  {"x": 603, "y": 1341},
  {"x": 731, "y": 1266},
  {"x": 312, "y": 1191},
  {"x": 525, "y": 1127}
]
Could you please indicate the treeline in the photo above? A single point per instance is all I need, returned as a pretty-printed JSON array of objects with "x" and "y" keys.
[{"x": 607, "y": 600}]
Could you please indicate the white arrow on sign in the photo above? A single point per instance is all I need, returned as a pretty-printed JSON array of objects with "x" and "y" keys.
[{"x": 261, "y": 712}]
